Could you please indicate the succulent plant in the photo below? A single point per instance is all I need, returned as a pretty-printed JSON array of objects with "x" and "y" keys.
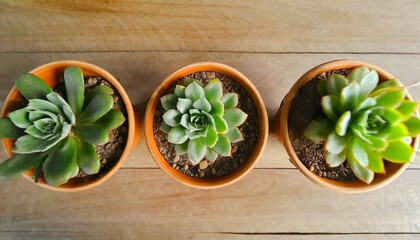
[
  {"x": 55, "y": 136},
  {"x": 364, "y": 122},
  {"x": 201, "y": 121}
]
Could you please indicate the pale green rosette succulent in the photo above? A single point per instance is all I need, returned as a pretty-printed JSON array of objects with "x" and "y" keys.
[
  {"x": 56, "y": 136},
  {"x": 201, "y": 121},
  {"x": 364, "y": 122}
]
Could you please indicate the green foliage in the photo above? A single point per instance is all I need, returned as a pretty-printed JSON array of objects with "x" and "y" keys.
[
  {"x": 201, "y": 121},
  {"x": 364, "y": 122},
  {"x": 55, "y": 135}
]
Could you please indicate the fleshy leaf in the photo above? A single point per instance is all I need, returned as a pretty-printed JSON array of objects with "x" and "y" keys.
[
  {"x": 19, "y": 163},
  {"x": 398, "y": 152},
  {"x": 376, "y": 163},
  {"x": 169, "y": 101},
  {"x": 75, "y": 88},
  {"x": 234, "y": 135},
  {"x": 413, "y": 126},
  {"x": 202, "y": 104},
  {"x": 194, "y": 91},
  {"x": 177, "y": 135},
  {"x": 322, "y": 87},
  {"x": 211, "y": 155},
  {"x": 222, "y": 146},
  {"x": 230, "y": 100},
  {"x": 62, "y": 104},
  {"x": 335, "y": 83},
  {"x": 181, "y": 148},
  {"x": 164, "y": 127},
  {"x": 318, "y": 130},
  {"x": 234, "y": 117},
  {"x": 32, "y": 130},
  {"x": 407, "y": 108},
  {"x": 196, "y": 150},
  {"x": 221, "y": 124},
  {"x": 343, "y": 123},
  {"x": 213, "y": 90},
  {"x": 350, "y": 95},
  {"x": 92, "y": 134},
  {"x": 179, "y": 91},
  {"x": 61, "y": 164},
  {"x": 358, "y": 74},
  {"x": 357, "y": 153},
  {"x": 389, "y": 97},
  {"x": 184, "y": 104},
  {"x": 334, "y": 160},
  {"x": 43, "y": 105},
  {"x": 369, "y": 82},
  {"x": 172, "y": 117},
  {"x": 397, "y": 132},
  {"x": 335, "y": 143},
  {"x": 364, "y": 174},
  {"x": 374, "y": 142},
  {"x": 211, "y": 138},
  {"x": 329, "y": 104},
  {"x": 95, "y": 109},
  {"x": 87, "y": 158},
  {"x": 368, "y": 102},
  {"x": 101, "y": 89},
  {"x": 392, "y": 116},
  {"x": 20, "y": 118},
  {"x": 217, "y": 108},
  {"x": 111, "y": 120},
  {"x": 387, "y": 84},
  {"x": 32, "y": 87},
  {"x": 9, "y": 130},
  {"x": 31, "y": 144}
]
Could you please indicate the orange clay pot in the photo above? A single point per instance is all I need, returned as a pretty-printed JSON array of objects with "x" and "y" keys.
[
  {"x": 247, "y": 166},
  {"x": 50, "y": 73},
  {"x": 393, "y": 170}
]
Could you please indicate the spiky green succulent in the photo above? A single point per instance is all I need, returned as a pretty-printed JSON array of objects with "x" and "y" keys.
[
  {"x": 201, "y": 121},
  {"x": 364, "y": 122},
  {"x": 55, "y": 136}
]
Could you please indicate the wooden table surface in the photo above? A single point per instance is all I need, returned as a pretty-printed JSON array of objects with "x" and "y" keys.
[{"x": 271, "y": 42}]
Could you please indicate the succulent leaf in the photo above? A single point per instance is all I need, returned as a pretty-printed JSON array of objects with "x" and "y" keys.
[
  {"x": 184, "y": 104},
  {"x": 335, "y": 143},
  {"x": 387, "y": 84},
  {"x": 350, "y": 95},
  {"x": 202, "y": 104},
  {"x": 362, "y": 173},
  {"x": 75, "y": 88},
  {"x": 196, "y": 150},
  {"x": 111, "y": 120},
  {"x": 32, "y": 87},
  {"x": 358, "y": 74},
  {"x": 95, "y": 109},
  {"x": 179, "y": 91},
  {"x": 9, "y": 130},
  {"x": 213, "y": 90},
  {"x": 334, "y": 160},
  {"x": 335, "y": 84},
  {"x": 329, "y": 105},
  {"x": 172, "y": 117},
  {"x": 221, "y": 124},
  {"x": 20, "y": 118},
  {"x": 407, "y": 109},
  {"x": 61, "y": 164},
  {"x": 92, "y": 134},
  {"x": 182, "y": 148},
  {"x": 87, "y": 158},
  {"x": 322, "y": 87},
  {"x": 211, "y": 155},
  {"x": 211, "y": 138},
  {"x": 230, "y": 100},
  {"x": 169, "y": 101},
  {"x": 194, "y": 91},
  {"x": 398, "y": 152},
  {"x": 343, "y": 123},
  {"x": 369, "y": 82},
  {"x": 376, "y": 163},
  {"x": 318, "y": 130},
  {"x": 217, "y": 108},
  {"x": 234, "y": 135},
  {"x": 19, "y": 163},
  {"x": 413, "y": 126},
  {"x": 91, "y": 93},
  {"x": 397, "y": 132},
  {"x": 234, "y": 117},
  {"x": 177, "y": 135},
  {"x": 222, "y": 146},
  {"x": 389, "y": 97}
]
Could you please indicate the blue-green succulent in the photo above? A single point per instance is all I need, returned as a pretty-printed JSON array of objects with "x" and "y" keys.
[{"x": 56, "y": 136}]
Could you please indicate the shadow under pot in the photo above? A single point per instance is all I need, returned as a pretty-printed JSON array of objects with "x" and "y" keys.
[
  {"x": 72, "y": 126},
  {"x": 206, "y": 125},
  {"x": 348, "y": 126}
]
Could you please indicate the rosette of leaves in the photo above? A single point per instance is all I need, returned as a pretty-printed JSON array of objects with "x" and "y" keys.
[
  {"x": 54, "y": 136},
  {"x": 201, "y": 121},
  {"x": 364, "y": 122}
]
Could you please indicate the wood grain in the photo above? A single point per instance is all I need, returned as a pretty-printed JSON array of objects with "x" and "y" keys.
[
  {"x": 146, "y": 201},
  {"x": 208, "y": 25},
  {"x": 272, "y": 74}
]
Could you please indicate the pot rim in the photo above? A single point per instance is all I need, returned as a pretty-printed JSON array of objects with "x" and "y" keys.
[
  {"x": 247, "y": 166},
  {"x": 283, "y": 135},
  {"x": 131, "y": 118}
]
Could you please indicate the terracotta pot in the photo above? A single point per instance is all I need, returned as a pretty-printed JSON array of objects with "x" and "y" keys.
[
  {"x": 247, "y": 166},
  {"x": 50, "y": 73},
  {"x": 393, "y": 170}
]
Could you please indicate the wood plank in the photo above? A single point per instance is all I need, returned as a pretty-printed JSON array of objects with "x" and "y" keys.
[
  {"x": 208, "y": 25},
  {"x": 272, "y": 74},
  {"x": 208, "y": 236},
  {"x": 146, "y": 201}
]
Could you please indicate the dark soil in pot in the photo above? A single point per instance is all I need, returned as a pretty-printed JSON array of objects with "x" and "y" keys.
[
  {"x": 240, "y": 150},
  {"x": 108, "y": 153},
  {"x": 305, "y": 107}
]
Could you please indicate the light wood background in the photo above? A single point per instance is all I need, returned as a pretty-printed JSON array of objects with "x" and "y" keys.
[{"x": 271, "y": 42}]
